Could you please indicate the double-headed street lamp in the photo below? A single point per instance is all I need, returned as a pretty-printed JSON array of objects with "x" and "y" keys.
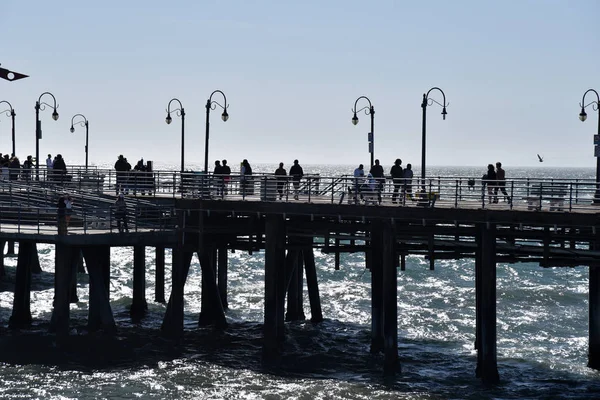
[
  {"x": 428, "y": 102},
  {"x": 38, "y": 127},
  {"x": 583, "y": 116},
  {"x": 86, "y": 124},
  {"x": 211, "y": 104},
  {"x": 368, "y": 111},
  {"x": 180, "y": 112},
  {"x": 11, "y": 113}
]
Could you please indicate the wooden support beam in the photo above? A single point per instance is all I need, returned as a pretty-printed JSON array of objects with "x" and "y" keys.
[
  {"x": 139, "y": 306},
  {"x": 35, "y": 260},
  {"x": 222, "y": 275},
  {"x": 100, "y": 316},
  {"x": 63, "y": 277},
  {"x": 21, "y": 313},
  {"x": 487, "y": 368},
  {"x": 594, "y": 317},
  {"x": 274, "y": 261},
  {"x": 2, "y": 270},
  {"x": 376, "y": 261},
  {"x": 212, "y": 311},
  {"x": 294, "y": 268},
  {"x": 390, "y": 299},
  {"x": 312, "y": 283},
  {"x": 76, "y": 265},
  {"x": 337, "y": 255},
  {"x": 159, "y": 285},
  {"x": 172, "y": 325}
]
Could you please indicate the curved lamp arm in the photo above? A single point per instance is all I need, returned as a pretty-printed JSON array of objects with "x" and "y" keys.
[
  {"x": 212, "y": 105},
  {"x": 81, "y": 123},
  {"x": 428, "y": 102},
  {"x": 39, "y": 105},
  {"x": 595, "y": 104},
  {"x": 11, "y": 111},
  {"x": 180, "y": 111},
  {"x": 368, "y": 109}
]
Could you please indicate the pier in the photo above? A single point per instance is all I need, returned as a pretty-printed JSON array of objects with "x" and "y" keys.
[{"x": 549, "y": 222}]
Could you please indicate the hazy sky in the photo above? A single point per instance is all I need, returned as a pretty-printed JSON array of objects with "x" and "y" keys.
[{"x": 513, "y": 72}]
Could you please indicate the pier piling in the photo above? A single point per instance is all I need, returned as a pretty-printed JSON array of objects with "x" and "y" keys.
[
  {"x": 159, "y": 285},
  {"x": 100, "y": 316},
  {"x": 21, "y": 314},
  {"x": 139, "y": 306}
]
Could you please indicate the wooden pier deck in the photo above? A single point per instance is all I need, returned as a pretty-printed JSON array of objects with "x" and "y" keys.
[{"x": 552, "y": 232}]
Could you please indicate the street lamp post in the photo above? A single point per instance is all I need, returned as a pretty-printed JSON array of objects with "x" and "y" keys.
[
  {"x": 583, "y": 116},
  {"x": 11, "y": 112},
  {"x": 38, "y": 128},
  {"x": 86, "y": 124},
  {"x": 428, "y": 102},
  {"x": 211, "y": 104},
  {"x": 180, "y": 112},
  {"x": 368, "y": 111}
]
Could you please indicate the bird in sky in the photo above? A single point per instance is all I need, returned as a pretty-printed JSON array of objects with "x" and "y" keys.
[{"x": 541, "y": 159}]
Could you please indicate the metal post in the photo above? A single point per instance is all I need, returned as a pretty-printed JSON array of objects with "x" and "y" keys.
[
  {"x": 372, "y": 111},
  {"x": 12, "y": 116},
  {"x": 38, "y": 128},
  {"x": 206, "y": 137},
  {"x": 86, "y": 144},
  {"x": 424, "y": 131},
  {"x": 597, "y": 194},
  {"x": 183, "y": 139}
]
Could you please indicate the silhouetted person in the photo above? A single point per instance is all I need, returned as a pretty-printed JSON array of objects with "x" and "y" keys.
[
  {"x": 501, "y": 183},
  {"x": 359, "y": 175},
  {"x": 246, "y": 178},
  {"x": 27, "y": 167},
  {"x": 226, "y": 175},
  {"x": 15, "y": 168},
  {"x": 397, "y": 174},
  {"x": 490, "y": 181},
  {"x": 121, "y": 213},
  {"x": 218, "y": 177},
  {"x": 281, "y": 178},
  {"x": 61, "y": 215},
  {"x": 296, "y": 173},
  {"x": 408, "y": 177},
  {"x": 377, "y": 172}
]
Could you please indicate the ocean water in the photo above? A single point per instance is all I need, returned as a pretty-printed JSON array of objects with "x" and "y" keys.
[{"x": 542, "y": 333}]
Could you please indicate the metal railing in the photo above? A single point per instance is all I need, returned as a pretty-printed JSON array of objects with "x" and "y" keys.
[{"x": 521, "y": 193}]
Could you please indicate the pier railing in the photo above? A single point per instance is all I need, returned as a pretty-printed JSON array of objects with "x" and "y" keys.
[{"x": 458, "y": 192}]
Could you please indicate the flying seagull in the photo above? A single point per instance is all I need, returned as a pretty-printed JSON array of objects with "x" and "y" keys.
[
  {"x": 10, "y": 75},
  {"x": 540, "y": 158}
]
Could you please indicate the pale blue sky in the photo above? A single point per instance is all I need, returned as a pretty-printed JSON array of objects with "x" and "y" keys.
[{"x": 513, "y": 73}]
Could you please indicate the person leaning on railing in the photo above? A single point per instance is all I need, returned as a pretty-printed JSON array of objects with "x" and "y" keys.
[
  {"x": 61, "y": 215},
  {"x": 296, "y": 172}
]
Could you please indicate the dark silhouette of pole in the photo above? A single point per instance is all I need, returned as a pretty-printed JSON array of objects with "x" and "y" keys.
[
  {"x": 211, "y": 104},
  {"x": 368, "y": 111},
  {"x": 38, "y": 128},
  {"x": 424, "y": 104},
  {"x": 11, "y": 113},
  {"x": 583, "y": 116},
  {"x": 86, "y": 124},
  {"x": 180, "y": 112}
]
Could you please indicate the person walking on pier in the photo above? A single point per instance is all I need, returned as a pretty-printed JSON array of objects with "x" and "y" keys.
[
  {"x": 121, "y": 213},
  {"x": 68, "y": 209},
  {"x": 408, "y": 177},
  {"x": 490, "y": 181},
  {"x": 377, "y": 172},
  {"x": 397, "y": 174},
  {"x": 281, "y": 174},
  {"x": 226, "y": 175},
  {"x": 296, "y": 173},
  {"x": 61, "y": 213},
  {"x": 359, "y": 175},
  {"x": 246, "y": 178},
  {"x": 501, "y": 183},
  {"x": 218, "y": 178},
  {"x": 27, "y": 167}
]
